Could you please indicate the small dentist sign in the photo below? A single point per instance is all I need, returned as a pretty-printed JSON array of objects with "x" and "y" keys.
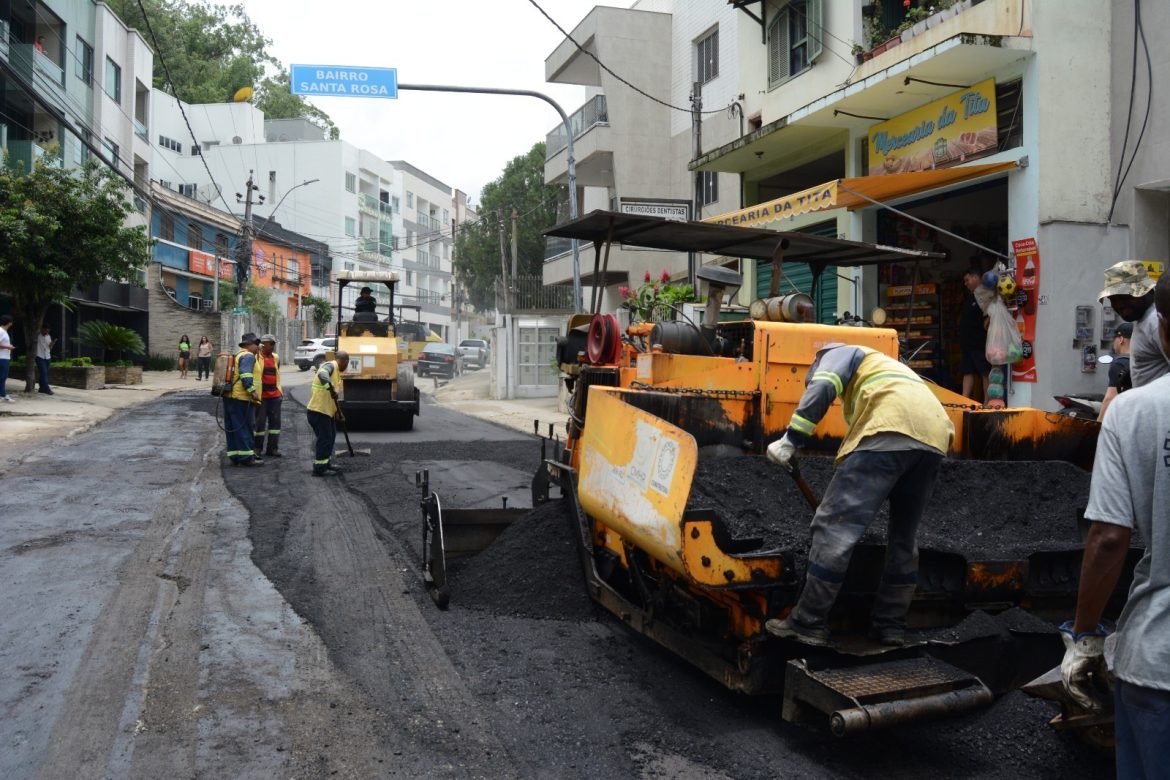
[{"x": 343, "y": 81}]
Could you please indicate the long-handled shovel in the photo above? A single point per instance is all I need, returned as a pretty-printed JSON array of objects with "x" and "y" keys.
[
  {"x": 345, "y": 430},
  {"x": 802, "y": 483}
]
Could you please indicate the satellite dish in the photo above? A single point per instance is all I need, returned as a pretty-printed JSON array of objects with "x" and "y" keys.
[
  {"x": 283, "y": 137},
  {"x": 237, "y": 140}
]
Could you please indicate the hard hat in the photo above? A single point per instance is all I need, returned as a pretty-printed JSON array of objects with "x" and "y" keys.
[{"x": 268, "y": 337}]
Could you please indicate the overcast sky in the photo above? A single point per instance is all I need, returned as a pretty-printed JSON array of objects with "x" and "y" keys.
[{"x": 462, "y": 140}]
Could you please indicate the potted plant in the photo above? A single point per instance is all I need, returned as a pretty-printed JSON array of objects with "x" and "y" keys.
[
  {"x": 858, "y": 53},
  {"x": 657, "y": 299},
  {"x": 78, "y": 373},
  {"x": 107, "y": 337}
]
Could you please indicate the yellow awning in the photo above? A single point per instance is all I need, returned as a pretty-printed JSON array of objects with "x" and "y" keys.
[{"x": 853, "y": 193}]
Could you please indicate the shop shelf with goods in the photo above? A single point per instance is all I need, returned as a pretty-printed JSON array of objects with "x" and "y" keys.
[{"x": 914, "y": 311}]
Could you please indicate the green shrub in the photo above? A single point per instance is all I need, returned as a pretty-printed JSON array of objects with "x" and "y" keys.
[
  {"x": 78, "y": 362},
  {"x": 160, "y": 363}
]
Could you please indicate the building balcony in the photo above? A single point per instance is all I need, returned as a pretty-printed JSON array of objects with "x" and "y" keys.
[
  {"x": 23, "y": 155},
  {"x": 592, "y": 147},
  {"x": 368, "y": 204},
  {"x": 961, "y": 46},
  {"x": 371, "y": 250},
  {"x": 141, "y": 130}
]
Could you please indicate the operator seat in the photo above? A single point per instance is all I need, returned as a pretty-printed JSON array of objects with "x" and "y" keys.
[{"x": 365, "y": 316}]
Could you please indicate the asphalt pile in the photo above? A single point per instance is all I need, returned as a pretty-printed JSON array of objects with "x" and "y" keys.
[{"x": 983, "y": 510}]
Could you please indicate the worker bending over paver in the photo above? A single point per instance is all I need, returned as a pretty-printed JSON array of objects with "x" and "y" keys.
[{"x": 897, "y": 438}]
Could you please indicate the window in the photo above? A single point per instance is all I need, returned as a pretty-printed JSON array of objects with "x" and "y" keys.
[
  {"x": 195, "y": 237},
  {"x": 409, "y": 278},
  {"x": 446, "y": 217},
  {"x": 221, "y": 245},
  {"x": 294, "y": 270},
  {"x": 350, "y": 226},
  {"x": 707, "y": 187},
  {"x": 111, "y": 151},
  {"x": 166, "y": 226},
  {"x": 170, "y": 143},
  {"x": 194, "y": 150},
  {"x": 707, "y": 57},
  {"x": 794, "y": 40},
  {"x": 409, "y": 199},
  {"x": 187, "y": 189},
  {"x": 84, "y": 61},
  {"x": 350, "y": 182},
  {"x": 113, "y": 80},
  {"x": 348, "y": 266},
  {"x": 394, "y": 205}
]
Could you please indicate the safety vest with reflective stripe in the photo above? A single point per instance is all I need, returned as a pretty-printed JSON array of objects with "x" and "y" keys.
[
  {"x": 244, "y": 380},
  {"x": 266, "y": 390},
  {"x": 884, "y": 395},
  {"x": 319, "y": 398}
]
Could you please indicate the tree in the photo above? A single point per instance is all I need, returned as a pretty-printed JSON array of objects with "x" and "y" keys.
[
  {"x": 257, "y": 299},
  {"x": 477, "y": 245},
  {"x": 61, "y": 230},
  {"x": 322, "y": 311},
  {"x": 211, "y": 51}
]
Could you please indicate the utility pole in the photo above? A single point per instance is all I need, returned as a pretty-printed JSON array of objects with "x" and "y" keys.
[
  {"x": 515, "y": 286},
  {"x": 503, "y": 260},
  {"x": 244, "y": 252},
  {"x": 697, "y": 152}
]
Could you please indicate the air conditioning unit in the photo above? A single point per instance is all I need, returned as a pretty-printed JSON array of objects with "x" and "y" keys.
[
  {"x": 206, "y": 305},
  {"x": 237, "y": 140}
]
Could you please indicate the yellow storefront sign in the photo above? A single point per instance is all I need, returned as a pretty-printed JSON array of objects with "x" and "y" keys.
[
  {"x": 804, "y": 202},
  {"x": 948, "y": 131}
]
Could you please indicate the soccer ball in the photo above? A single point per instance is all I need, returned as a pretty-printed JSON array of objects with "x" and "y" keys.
[{"x": 1007, "y": 286}]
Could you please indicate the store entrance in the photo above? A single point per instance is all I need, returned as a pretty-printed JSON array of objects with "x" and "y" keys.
[{"x": 924, "y": 301}]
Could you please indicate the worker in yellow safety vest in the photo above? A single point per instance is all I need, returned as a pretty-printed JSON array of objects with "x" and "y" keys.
[
  {"x": 239, "y": 403},
  {"x": 898, "y": 435},
  {"x": 328, "y": 385}
]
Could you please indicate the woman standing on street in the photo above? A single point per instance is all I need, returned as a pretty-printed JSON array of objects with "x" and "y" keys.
[
  {"x": 184, "y": 355},
  {"x": 203, "y": 368}
]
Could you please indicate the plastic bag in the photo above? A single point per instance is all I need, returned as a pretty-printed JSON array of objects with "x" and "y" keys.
[{"x": 1004, "y": 343}]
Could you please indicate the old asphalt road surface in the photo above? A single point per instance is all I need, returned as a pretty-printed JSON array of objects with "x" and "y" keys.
[{"x": 170, "y": 618}]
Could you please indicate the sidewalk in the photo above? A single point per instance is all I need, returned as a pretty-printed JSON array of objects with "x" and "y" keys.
[{"x": 36, "y": 420}]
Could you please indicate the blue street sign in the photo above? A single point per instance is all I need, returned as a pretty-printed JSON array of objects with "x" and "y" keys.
[{"x": 343, "y": 81}]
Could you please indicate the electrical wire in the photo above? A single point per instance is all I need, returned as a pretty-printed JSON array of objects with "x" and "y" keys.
[{"x": 1138, "y": 31}]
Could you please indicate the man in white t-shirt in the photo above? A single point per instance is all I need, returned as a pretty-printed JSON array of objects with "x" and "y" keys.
[
  {"x": 45, "y": 344},
  {"x": 5, "y": 355},
  {"x": 1130, "y": 489}
]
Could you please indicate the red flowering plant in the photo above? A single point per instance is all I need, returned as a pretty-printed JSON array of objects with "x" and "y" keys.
[{"x": 656, "y": 299}]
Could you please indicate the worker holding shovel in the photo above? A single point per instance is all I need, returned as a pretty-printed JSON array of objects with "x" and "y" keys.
[
  {"x": 898, "y": 435},
  {"x": 328, "y": 384}
]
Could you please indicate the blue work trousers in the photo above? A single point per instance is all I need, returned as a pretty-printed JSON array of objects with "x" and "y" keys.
[
  {"x": 4, "y": 377},
  {"x": 326, "y": 431},
  {"x": 1142, "y": 729},
  {"x": 268, "y": 425},
  {"x": 860, "y": 485},
  {"x": 43, "y": 374},
  {"x": 238, "y": 425}
]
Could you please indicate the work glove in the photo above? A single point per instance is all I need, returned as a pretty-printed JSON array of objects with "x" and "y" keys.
[
  {"x": 1083, "y": 667},
  {"x": 782, "y": 451}
]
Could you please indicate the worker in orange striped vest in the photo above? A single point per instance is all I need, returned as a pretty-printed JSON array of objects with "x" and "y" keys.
[{"x": 271, "y": 398}]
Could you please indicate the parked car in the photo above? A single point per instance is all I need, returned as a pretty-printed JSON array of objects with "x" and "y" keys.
[
  {"x": 475, "y": 352},
  {"x": 439, "y": 359},
  {"x": 311, "y": 352}
]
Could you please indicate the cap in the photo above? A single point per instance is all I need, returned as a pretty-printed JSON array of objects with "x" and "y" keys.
[
  {"x": 1125, "y": 330},
  {"x": 1128, "y": 277},
  {"x": 268, "y": 337},
  {"x": 366, "y": 290},
  {"x": 249, "y": 338}
]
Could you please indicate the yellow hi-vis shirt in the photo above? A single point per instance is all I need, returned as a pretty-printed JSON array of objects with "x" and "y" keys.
[
  {"x": 328, "y": 375},
  {"x": 245, "y": 378},
  {"x": 878, "y": 395}
]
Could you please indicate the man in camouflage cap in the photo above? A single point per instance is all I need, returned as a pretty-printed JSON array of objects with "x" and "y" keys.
[{"x": 1130, "y": 292}]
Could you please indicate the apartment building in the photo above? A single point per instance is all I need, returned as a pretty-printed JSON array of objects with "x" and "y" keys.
[
  {"x": 372, "y": 214},
  {"x": 74, "y": 82},
  {"x": 987, "y": 131}
]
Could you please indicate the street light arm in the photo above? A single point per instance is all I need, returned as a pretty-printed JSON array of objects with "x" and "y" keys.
[{"x": 272, "y": 213}]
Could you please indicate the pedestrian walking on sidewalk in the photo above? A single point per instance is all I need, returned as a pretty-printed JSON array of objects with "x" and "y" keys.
[
  {"x": 45, "y": 344},
  {"x": 271, "y": 398},
  {"x": 184, "y": 355},
  {"x": 5, "y": 355},
  {"x": 203, "y": 358},
  {"x": 328, "y": 385},
  {"x": 239, "y": 402}
]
